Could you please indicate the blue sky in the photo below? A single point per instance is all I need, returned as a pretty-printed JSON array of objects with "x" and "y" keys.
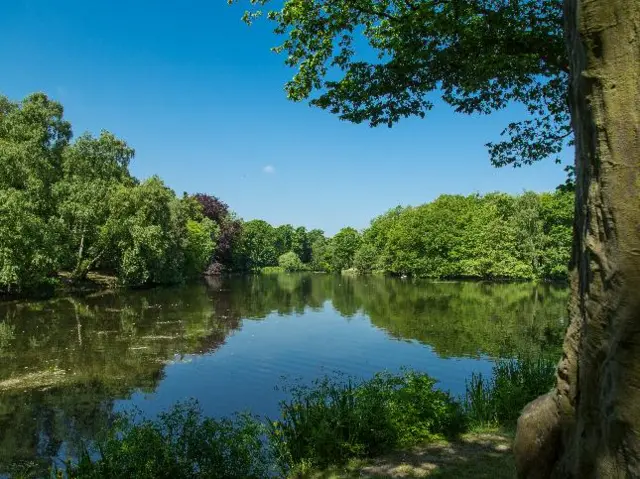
[{"x": 200, "y": 97}]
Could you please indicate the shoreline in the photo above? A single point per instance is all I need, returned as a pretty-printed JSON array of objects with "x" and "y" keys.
[{"x": 96, "y": 282}]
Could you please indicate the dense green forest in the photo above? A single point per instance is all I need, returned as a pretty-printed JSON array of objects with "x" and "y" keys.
[
  {"x": 492, "y": 236},
  {"x": 73, "y": 206}
]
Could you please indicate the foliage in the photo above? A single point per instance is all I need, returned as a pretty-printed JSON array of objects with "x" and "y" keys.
[
  {"x": 92, "y": 169},
  {"x": 180, "y": 444},
  {"x": 491, "y": 236},
  {"x": 290, "y": 262},
  {"x": 74, "y": 206},
  {"x": 334, "y": 420},
  {"x": 381, "y": 61},
  {"x": 256, "y": 247},
  {"x": 365, "y": 259},
  {"x": 344, "y": 246},
  {"x": 500, "y": 399},
  {"x": 288, "y": 238},
  {"x": 327, "y": 423},
  {"x": 200, "y": 246},
  {"x": 272, "y": 270},
  {"x": 29, "y": 242},
  {"x": 229, "y": 231},
  {"x": 261, "y": 245},
  {"x": 33, "y": 136},
  {"x": 141, "y": 234},
  {"x": 321, "y": 253}
]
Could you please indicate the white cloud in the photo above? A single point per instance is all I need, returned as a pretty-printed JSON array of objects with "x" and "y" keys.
[{"x": 269, "y": 169}]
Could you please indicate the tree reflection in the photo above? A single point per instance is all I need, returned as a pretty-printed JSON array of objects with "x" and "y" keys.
[
  {"x": 64, "y": 363},
  {"x": 71, "y": 359}
]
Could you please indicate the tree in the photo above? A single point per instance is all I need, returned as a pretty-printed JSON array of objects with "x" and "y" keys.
[
  {"x": 427, "y": 46},
  {"x": 256, "y": 247},
  {"x": 482, "y": 55},
  {"x": 284, "y": 239},
  {"x": 229, "y": 231},
  {"x": 321, "y": 254},
  {"x": 29, "y": 244},
  {"x": 290, "y": 262},
  {"x": 557, "y": 214},
  {"x": 200, "y": 245},
  {"x": 301, "y": 245},
  {"x": 529, "y": 225},
  {"x": 365, "y": 258},
  {"x": 587, "y": 426},
  {"x": 91, "y": 170},
  {"x": 142, "y": 237},
  {"x": 345, "y": 244},
  {"x": 33, "y": 135}
]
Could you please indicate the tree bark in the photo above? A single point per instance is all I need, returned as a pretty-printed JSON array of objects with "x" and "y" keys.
[{"x": 589, "y": 425}]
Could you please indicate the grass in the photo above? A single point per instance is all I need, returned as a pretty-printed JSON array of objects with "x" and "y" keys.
[
  {"x": 498, "y": 400},
  {"x": 7, "y": 334},
  {"x": 485, "y": 454},
  {"x": 389, "y": 426}
]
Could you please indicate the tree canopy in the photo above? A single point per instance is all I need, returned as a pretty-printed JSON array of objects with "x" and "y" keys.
[
  {"x": 379, "y": 61},
  {"x": 73, "y": 205}
]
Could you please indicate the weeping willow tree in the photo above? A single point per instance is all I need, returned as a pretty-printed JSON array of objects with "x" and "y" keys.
[{"x": 576, "y": 70}]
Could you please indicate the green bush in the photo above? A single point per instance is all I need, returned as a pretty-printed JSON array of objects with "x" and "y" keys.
[
  {"x": 180, "y": 444},
  {"x": 334, "y": 421},
  {"x": 499, "y": 401},
  {"x": 271, "y": 270},
  {"x": 328, "y": 423},
  {"x": 290, "y": 262}
]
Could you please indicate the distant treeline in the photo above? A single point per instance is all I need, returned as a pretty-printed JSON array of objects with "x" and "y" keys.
[
  {"x": 73, "y": 206},
  {"x": 495, "y": 236}
]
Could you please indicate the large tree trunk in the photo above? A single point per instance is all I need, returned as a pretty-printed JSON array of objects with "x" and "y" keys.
[{"x": 589, "y": 425}]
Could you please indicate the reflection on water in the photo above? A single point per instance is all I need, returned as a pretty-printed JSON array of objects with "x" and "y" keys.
[{"x": 66, "y": 365}]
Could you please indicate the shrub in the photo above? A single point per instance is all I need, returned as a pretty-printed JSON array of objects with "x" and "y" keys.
[
  {"x": 499, "y": 401},
  {"x": 271, "y": 270},
  {"x": 334, "y": 421},
  {"x": 180, "y": 444},
  {"x": 290, "y": 262},
  {"x": 328, "y": 423}
]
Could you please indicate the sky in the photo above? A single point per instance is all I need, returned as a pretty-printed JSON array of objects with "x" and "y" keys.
[{"x": 200, "y": 97}]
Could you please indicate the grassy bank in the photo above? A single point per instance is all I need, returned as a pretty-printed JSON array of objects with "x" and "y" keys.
[{"x": 389, "y": 426}]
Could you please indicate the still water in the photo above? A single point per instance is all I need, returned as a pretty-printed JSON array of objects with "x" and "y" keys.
[{"x": 67, "y": 365}]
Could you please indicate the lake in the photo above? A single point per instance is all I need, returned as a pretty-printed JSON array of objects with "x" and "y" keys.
[{"x": 66, "y": 365}]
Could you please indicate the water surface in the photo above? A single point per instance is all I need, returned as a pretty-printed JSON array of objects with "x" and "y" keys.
[{"x": 67, "y": 365}]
